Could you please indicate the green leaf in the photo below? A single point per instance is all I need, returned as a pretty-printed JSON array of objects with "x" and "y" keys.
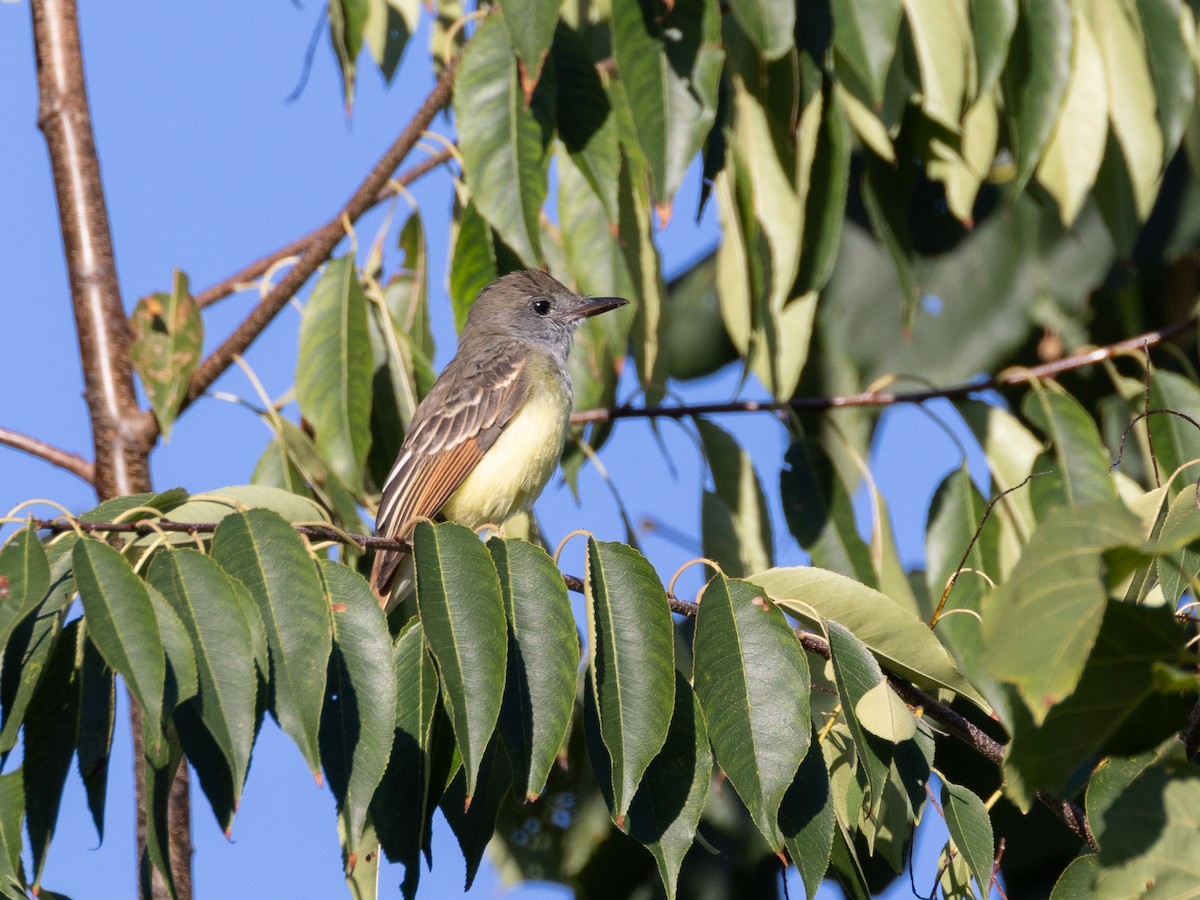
[
  {"x": 347, "y": 20},
  {"x": 736, "y": 527},
  {"x": 1040, "y": 624},
  {"x": 902, "y": 642},
  {"x": 530, "y": 26},
  {"x": 971, "y": 830},
  {"x": 503, "y": 144},
  {"x": 388, "y": 26},
  {"x": 824, "y": 179},
  {"x": 12, "y": 812},
  {"x": 992, "y": 25},
  {"x": 122, "y": 624},
  {"x": 669, "y": 58},
  {"x": 158, "y": 781},
  {"x": 214, "y": 609},
  {"x": 1178, "y": 570},
  {"x": 665, "y": 811},
  {"x": 807, "y": 820},
  {"x": 335, "y": 364},
  {"x": 768, "y": 23},
  {"x": 462, "y": 610},
  {"x": 1131, "y": 98},
  {"x": 474, "y": 265},
  {"x": 50, "y": 744},
  {"x": 1082, "y": 459},
  {"x": 1176, "y": 440},
  {"x": 94, "y": 726},
  {"x": 631, "y": 647},
  {"x": 865, "y": 35},
  {"x": 399, "y": 807},
  {"x": 1035, "y": 79},
  {"x": 1117, "y": 679},
  {"x": 884, "y": 714},
  {"x": 24, "y": 579},
  {"x": 945, "y": 52},
  {"x": 543, "y": 659},
  {"x": 358, "y": 719},
  {"x": 1171, "y": 67},
  {"x": 1070, "y": 161},
  {"x": 586, "y": 127},
  {"x": 752, "y": 679},
  {"x": 473, "y": 819},
  {"x": 697, "y": 342},
  {"x": 266, "y": 555},
  {"x": 167, "y": 337},
  {"x": 214, "y": 505},
  {"x": 181, "y": 681},
  {"x": 1110, "y": 779},
  {"x": 1151, "y": 838}
]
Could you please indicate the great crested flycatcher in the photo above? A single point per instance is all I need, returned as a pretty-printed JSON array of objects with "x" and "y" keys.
[{"x": 488, "y": 435}]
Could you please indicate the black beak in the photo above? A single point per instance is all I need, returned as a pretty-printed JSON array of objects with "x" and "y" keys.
[{"x": 593, "y": 306}]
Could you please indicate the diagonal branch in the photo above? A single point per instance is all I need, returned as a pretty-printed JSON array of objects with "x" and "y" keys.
[
  {"x": 259, "y": 267},
  {"x": 323, "y": 241},
  {"x": 888, "y": 398},
  {"x": 64, "y": 459}
]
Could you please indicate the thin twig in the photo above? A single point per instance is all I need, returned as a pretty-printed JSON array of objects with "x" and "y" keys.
[
  {"x": 259, "y": 267},
  {"x": 884, "y": 398},
  {"x": 1191, "y": 733},
  {"x": 64, "y": 459},
  {"x": 323, "y": 242}
]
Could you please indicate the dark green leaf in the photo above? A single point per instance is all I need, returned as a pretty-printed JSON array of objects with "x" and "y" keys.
[
  {"x": 1109, "y": 781},
  {"x": 473, "y": 818},
  {"x": 167, "y": 337},
  {"x": 267, "y": 556},
  {"x": 992, "y": 24},
  {"x": 697, "y": 342},
  {"x": 971, "y": 830},
  {"x": 12, "y": 812},
  {"x": 214, "y": 609},
  {"x": 768, "y": 23},
  {"x": 50, "y": 744},
  {"x": 358, "y": 719},
  {"x": 94, "y": 729},
  {"x": 865, "y": 34},
  {"x": 334, "y": 366},
  {"x": 1171, "y": 67},
  {"x": 503, "y": 145},
  {"x": 389, "y": 24},
  {"x": 1040, "y": 624},
  {"x": 398, "y": 808},
  {"x": 1035, "y": 79},
  {"x": 156, "y": 854},
  {"x": 735, "y": 524},
  {"x": 807, "y": 820},
  {"x": 1117, "y": 678},
  {"x": 462, "y": 610},
  {"x": 752, "y": 680},
  {"x": 24, "y": 579},
  {"x": 1176, "y": 440},
  {"x": 347, "y": 19},
  {"x": 181, "y": 681},
  {"x": 631, "y": 647},
  {"x": 824, "y": 179},
  {"x": 1082, "y": 459},
  {"x": 669, "y": 57},
  {"x": 122, "y": 624},
  {"x": 531, "y": 28},
  {"x": 666, "y": 809},
  {"x": 474, "y": 262},
  {"x": 543, "y": 659}
]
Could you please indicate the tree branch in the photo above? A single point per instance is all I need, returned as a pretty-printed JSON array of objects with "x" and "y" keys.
[
  {"x": 322, "y": 242},
  {"x": 259, "y": 267},
  {"x": 64, "y": 459},
  {"x": 888, "y": 398}
]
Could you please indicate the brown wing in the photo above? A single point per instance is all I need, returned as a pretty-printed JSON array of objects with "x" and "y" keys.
[{"x": 454, "y": 425}]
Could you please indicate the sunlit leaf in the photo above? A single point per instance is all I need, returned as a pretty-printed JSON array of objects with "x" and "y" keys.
[{"x": 971, "y": 829}]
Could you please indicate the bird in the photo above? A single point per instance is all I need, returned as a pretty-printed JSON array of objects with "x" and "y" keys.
[{"x": 484, "y": 441}]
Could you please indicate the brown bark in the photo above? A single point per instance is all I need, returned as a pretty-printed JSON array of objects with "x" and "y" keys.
[{"x": 122, "y": 433}]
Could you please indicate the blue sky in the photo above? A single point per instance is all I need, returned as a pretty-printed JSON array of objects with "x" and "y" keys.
[{"x": 206, "y": 167}]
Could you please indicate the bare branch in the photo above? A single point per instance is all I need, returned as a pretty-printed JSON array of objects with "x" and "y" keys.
[
  {"x": 323, "y": 241},
  {"x": 258, "y": 268},
  {"x": 888, "y": 398},
  {"x": 64, "y": 459}
]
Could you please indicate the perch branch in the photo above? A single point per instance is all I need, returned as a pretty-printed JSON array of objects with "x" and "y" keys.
[{"x": 64, "y": 459}]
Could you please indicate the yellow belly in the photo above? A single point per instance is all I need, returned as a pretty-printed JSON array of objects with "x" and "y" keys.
[{"x": 514, "y": 470}]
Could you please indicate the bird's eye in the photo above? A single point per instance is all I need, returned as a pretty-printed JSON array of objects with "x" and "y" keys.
[{"x": 541, "y": 307}]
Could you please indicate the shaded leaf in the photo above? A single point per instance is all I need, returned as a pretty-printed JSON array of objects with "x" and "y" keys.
[
  {"x": 971, "y": 830},
  {"x": 530, "y": 26},
  {"x": 24, "y": 579},
  {"x": 807, "y": 820},
  {"x": 94, "y": 726},
  {"x": 768, "y": 23},
  {"x": 864, "y": 34},
  {"x": 347, "y": 19},
  {"x": 388, "y": 26},
  {"x": 473, "y": 818},
  {"x": 474, "y": 261},
  {"x": 12, "y": 813},
  {"x": 735, "y": 525},
  {"x": 1082, "y": 460},
  {"x": 358, "y": 719}
]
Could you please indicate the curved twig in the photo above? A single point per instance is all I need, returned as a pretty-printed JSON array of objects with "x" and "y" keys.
[{"x": 64, "y": 459}]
